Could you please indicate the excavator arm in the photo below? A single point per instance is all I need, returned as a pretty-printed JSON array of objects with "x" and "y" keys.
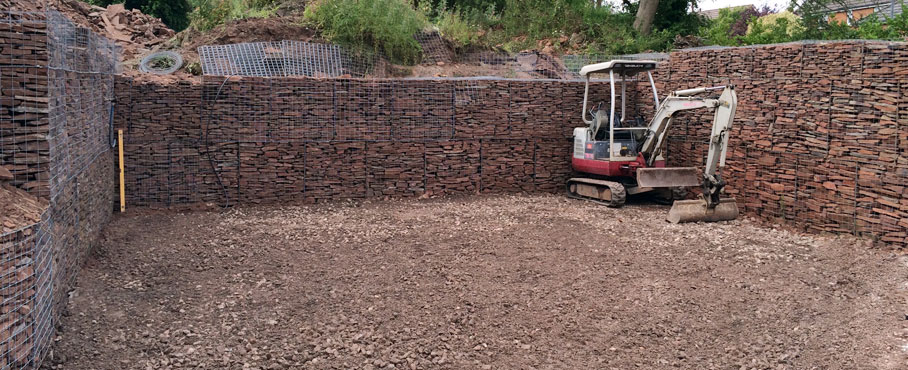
[{"x": 654, "y": 143}]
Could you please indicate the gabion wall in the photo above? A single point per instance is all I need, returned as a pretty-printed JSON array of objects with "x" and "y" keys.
[
  {"x": 252, "y": 139},
  {"x": 56, "y": 84},
  {"x": 820, "y": 139}
]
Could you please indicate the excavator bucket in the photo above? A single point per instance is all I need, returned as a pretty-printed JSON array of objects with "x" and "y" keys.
[
  {"x": 667, "y": 177},
  {"x": 697, "y": 211}
]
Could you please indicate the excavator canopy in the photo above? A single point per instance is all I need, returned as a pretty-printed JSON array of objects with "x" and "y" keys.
[{"x": 622, "y": 67}]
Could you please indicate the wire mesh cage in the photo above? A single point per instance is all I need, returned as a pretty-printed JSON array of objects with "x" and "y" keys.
[{"x": 56, "y": 80}]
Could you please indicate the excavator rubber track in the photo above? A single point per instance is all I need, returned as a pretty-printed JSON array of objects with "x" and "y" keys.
[{"x": 609, "y": 193}]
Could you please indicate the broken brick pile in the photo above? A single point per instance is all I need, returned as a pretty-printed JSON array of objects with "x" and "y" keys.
[
  {"x": 820, "y": 139},
  {"x": 55, "y": 177},
  {"x": 295, "y": 139}
]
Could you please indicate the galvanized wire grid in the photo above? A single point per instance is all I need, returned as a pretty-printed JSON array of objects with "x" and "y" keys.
[
  {"x": 282, "y": 59},
  {"x": 299, "y": 110},
  {"x": 57, "y": 84},
  {"x": 307, "y": 59},
  {"x": 435, "y": 49},
  {"x": 253, "y": 123}
]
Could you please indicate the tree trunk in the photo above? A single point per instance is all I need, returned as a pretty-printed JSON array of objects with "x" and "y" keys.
[
  {"x": 599, "y": 3},
  {"x": 643, "y": 22}
]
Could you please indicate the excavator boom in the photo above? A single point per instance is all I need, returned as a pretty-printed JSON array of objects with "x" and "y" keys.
[{"x": 710, "y": 207}]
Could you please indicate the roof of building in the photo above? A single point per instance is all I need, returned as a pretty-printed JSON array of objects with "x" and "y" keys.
[{"x": 880, "y": 6}]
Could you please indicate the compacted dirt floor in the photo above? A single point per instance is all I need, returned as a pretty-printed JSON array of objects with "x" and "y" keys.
[{"x": 490, "y": 282}]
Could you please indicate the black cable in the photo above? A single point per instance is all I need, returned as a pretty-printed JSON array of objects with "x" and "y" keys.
[
  {"x": 204, "y": 139},
  {"x": 111, "y": 138}
]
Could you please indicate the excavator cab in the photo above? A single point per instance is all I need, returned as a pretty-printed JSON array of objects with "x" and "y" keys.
[{"x": 619, "y": 136}]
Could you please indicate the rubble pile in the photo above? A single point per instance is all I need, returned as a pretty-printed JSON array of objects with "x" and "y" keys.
[
  {"x": 133, "y": 30},
  {"x": 136, "y": 32}
]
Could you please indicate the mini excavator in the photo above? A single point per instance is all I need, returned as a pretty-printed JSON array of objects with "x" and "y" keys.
[{"x": 615, "y": 156}]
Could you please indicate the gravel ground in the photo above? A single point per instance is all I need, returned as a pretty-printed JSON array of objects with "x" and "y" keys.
[{"x": 500, "y": 282}]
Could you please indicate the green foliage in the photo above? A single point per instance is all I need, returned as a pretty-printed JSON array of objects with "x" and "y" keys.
[
  {"x": 453, "y": 27},
  {"x": 872, "y": 27},
  {"x": 208, "y": 14},
  {"x": 174, "y": 13},
  {"x": 792, "y": 22},
  {"x": 496, "y": 6},
  {"x": 830, "y": 31},
  {"x": 768, "y": 32},
  {"x": 814, "y": 19},
  {"x": 671, "y": 15},
  {"x": 381, "y": 25},
  {"x": 773, "y": 28},
  {"x": 603, "y": 29},
  {"x": 539, "y": 19},
  {"x": 464, "y": 25},
  {"x": 899, "y": 25},
  {"x": 388, "y": 26},
  {"x": 718, "y": 32},
  {"x": 816, "y": 25}
]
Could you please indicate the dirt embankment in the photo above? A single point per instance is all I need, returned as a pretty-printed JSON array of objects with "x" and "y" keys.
[
  {"x": 478, "y": 283},
  {"x": 137, "y": 33},
  {"x": 246, "y": 30}
]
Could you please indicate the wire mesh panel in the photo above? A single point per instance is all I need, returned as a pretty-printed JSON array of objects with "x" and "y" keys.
[
  {"x": 573, "y": 62},
  {"x": 314, "y": 60},
  {"x": 282, "y": 59},
  {"x": 435, "y": 49},
  {"x": 290, "y": 58}
]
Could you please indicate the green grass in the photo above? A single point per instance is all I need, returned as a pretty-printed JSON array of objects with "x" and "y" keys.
[
  {"x": 385, "y": 26},
  {"x": 207, "y": 14}
]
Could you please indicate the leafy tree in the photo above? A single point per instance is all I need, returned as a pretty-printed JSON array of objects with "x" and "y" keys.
[
  {"x": 747, "y": 16},
  {"x": 646, "y": 12},
  {"x": 209, "y": 14},
  {"x": 723, "y": 30},
  {"x": 672, "y": 15},
  {"x": 771, "y": 32},
  {"x": 174, "y": 13},
  {"x": 731, "y": 26},
  {"x": 482, "y": 5}
]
